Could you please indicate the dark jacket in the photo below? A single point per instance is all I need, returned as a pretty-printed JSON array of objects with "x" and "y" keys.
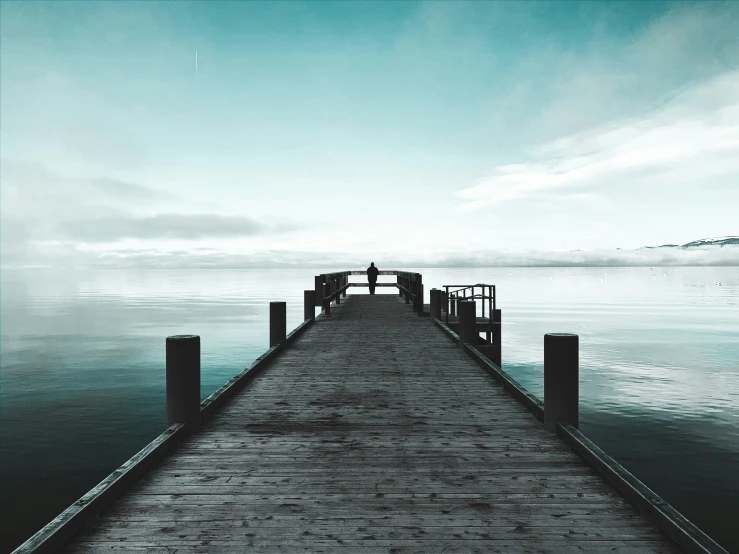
[{"x": 372, "y": 273}]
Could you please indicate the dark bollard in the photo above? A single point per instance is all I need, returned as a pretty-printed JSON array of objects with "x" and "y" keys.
[
  {"x": 309, "y": 305},
  {"x": 419, "y": 294},
  {"x": 435, "y": 301},
  {"x": 319, "y": 290},
  {"x": 453, "y": 304},
  {"x": 345, "y": 282},
  {"x": 277, "y": 323},
  {"x": 183, "y": 380},
  {"x": 400, "y": 284},
  {"x": 561, "y": 380},
  {"x": 467, "y": 322},
  {"x": 326, "y": 299},
  {"x": 445, "y": 301},
  {"x": 407, "y": 285},
  {"x": 339, "y": 284},
  {"x": 497, "y": 346}
]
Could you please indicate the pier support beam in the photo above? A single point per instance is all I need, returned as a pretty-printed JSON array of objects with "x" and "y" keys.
[
  {"x": 183, "y": 380},
  {"x": 319, "y": 289},
  {"x": 309, "y": 305},
  {"x": 435, "y": 301},
  {"x": 467, "y": 322},
  {"x": 418, "y": 306},
  {"x": 277, "y": 323},
  {"x": 326, "y": 299},
  {"x": 561, "y": 380},
  {"x": 497, "y": 345}
]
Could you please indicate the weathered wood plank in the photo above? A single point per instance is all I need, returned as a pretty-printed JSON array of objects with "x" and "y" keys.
[
  {"x": 372, "y": 433},
  {"x": 340, "y": 546}
]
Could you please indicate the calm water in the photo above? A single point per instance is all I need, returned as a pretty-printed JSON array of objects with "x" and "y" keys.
[{"x": 82, "y": 382}]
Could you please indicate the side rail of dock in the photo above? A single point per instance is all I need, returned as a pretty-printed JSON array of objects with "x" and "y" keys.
[{"x": 559, "y": 412}]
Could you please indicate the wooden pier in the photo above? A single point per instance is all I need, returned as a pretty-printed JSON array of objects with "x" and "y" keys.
[{"x": 368, "y": 430}]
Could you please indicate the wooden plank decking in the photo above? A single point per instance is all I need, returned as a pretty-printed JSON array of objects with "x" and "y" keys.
[{"x": 372, "y": 433}]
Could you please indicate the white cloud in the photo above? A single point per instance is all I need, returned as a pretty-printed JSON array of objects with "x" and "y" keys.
[{"x": 695, "y": 135}]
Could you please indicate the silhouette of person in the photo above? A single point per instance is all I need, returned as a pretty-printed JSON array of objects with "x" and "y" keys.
[{"x": 372, "y": 273}]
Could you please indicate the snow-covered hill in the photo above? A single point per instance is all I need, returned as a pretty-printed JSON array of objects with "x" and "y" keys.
[{"x": 718, "y": 241}]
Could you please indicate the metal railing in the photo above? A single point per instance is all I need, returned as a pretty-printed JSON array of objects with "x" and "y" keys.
[{"x": 460, "y": 292}]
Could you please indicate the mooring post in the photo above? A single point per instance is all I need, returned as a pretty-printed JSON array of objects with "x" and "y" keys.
[
  {"x": 407, "y": 284},
  {"x": 319, "y": 289},
  {"x": 467, "y": 322},
  {"x": 400, "y": 284},
  {"x": 338, "y": 287},
  {"x": 344, "y": 283},
  {"x": 277, "y": 323},
  {"x": 419, "y": 294},
  {"x": 309, "y": 305},
  {"x": 435, "y": 300},
  {"x": 561, "y": 380},
  {"x": 445, "y": 301},
  {"x": 497, "y": 346},
  {"x": 453, "y": 304},
  {"x": 327, "y": 299},
  {"x": 183, "y": 380}
]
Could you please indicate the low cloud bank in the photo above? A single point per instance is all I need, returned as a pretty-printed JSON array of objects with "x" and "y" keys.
[
  {"x": 165, "y": 226},
  {"x": 70, "y": 257},
  {"x": 676, "y": 256}
]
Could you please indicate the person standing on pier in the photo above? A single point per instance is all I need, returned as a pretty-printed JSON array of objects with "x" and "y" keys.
[{"x": 372, "y": 273}]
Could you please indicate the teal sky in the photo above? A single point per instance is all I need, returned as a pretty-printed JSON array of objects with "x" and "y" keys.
[{"x": 314, "y": 131}]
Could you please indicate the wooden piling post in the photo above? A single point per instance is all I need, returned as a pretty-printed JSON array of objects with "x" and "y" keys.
[
  {"x": 183, "y": 380},
  {"x": 319, "y": 289},
  {"x": 445, "y": 301},
  {"x": 326, "y": 299},
  {"x": 453, "y": 304},
  {"x": 467, "y": 322},
  {"x": 345, "y": 282},
  {"x": 435, "y": 300},
  {"x": 419, "y": 295},
  {"x": 407, "y": 285},
  {"x": 561, "y": 380},
  {"x": 309, "y": 305},
  {"x": 277, "y": 323},
  {"x": 338, "y": 287},
  {"x": 497, "y": 346}
]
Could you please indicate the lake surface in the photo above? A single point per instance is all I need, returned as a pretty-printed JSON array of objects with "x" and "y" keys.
[{"x": 83, "y": 357}]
